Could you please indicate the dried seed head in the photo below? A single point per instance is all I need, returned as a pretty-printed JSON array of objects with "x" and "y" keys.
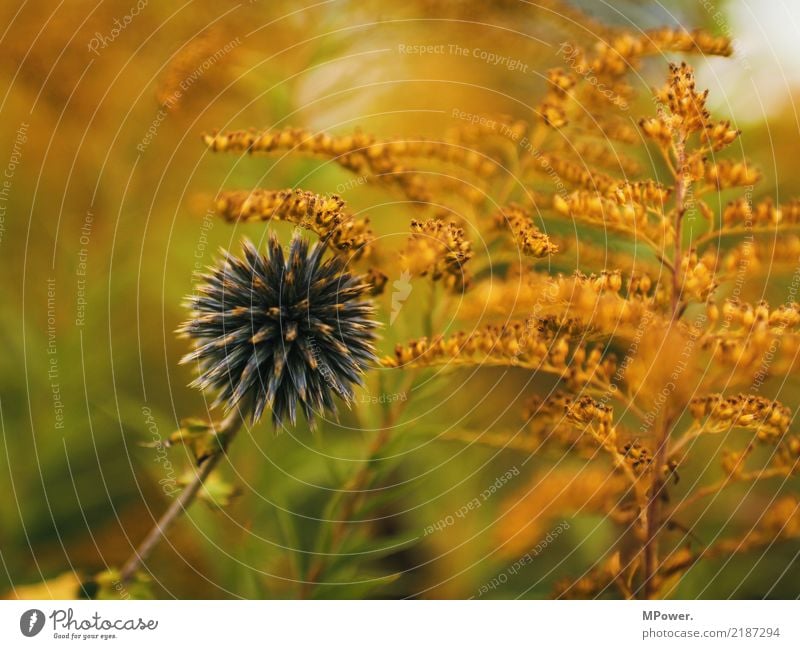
[{"x": 279, "y": 331}]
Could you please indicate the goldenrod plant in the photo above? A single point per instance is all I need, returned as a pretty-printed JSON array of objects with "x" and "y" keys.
[{"x": 535, "y": 341}]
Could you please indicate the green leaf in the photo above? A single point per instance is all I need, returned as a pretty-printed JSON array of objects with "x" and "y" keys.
[
  {"x": 358, "y": 589},
  {"x": 200, "y": 437},
  {"x": 109, "y": 586},
  {"x": 358, "y": 551},
  {"x": 215, "y": 491}
]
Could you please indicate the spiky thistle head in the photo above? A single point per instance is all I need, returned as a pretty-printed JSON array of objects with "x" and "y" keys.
[{"x": 280, "y": 331}]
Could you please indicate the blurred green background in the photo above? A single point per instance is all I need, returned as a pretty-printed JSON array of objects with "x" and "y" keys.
[{"x": 104, "y": 225}]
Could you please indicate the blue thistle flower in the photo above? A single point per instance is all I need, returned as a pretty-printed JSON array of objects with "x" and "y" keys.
[{"x": 275, "y": 331}]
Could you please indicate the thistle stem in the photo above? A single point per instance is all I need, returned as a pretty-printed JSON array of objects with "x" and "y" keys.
[{"x": 226, "y": 431}]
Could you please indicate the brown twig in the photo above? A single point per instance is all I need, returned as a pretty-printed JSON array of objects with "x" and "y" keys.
[{"x": 226, "y": 431}]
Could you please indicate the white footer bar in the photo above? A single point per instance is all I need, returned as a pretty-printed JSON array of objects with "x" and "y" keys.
[{"x": 389, "y": 624}]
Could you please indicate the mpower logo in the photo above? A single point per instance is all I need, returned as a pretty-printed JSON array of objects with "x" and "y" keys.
[{"x": 31, "y": 622}]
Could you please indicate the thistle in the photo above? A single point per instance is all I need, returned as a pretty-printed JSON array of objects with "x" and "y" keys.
[{"x": 278, "y": 332}]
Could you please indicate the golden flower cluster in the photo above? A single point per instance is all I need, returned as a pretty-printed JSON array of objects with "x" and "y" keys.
[
  {"x": 697, "y": 276},
  {"x": 552, "y": 109},
  {"x": 528, "y": 513},
  {"x": 748, "y": 316},
  {"x": 687, "y": 106},
  {"x": 439, "y": 249},
  {"x": 620, "y": 53},
  {"x": 779, "y": 256},
  {"x": 640, "y": 192},
  {"x": 787, "y": 455},
  {"x": 615, "y": 56},
  {"x": 361, "y": 153},
  {"x": 519, "y": 344},
  {"x": 527, "y": 236},
  {"x": 590, "y": 585},
  {"x": 515, "y": 343},
  {"x": 545, "y": 417},
  {"x": 748, "y": 351},
  {"x": 558, "y": 417},
  {"x": 594, "y": 209},
  {"x": 770, "y": 419},
  {"x": 781, "y": 519},
  {"x": 377, "y": 279},
  {"x": 598, "y": 153},
  {"x": 596, "y": 299},
  {"x": 608, "y": 126},
  {"x": 731, "y": 173},
  {"x": 643, "y": 192},
  {"x": 585, "y": 413},
  {"x": 683, "y": 112},
  {"x": 637, "y": 456},
  {"x": 763, "y": 214},
  {"x": 720, "y": 135},
  {"x": 574, "y": 325},
  {"x": 323, "y": 215},
  {"x": 750, "y": 337},
  {"x": 483, "y": 133},
  {"x": 606, "y": 303}
]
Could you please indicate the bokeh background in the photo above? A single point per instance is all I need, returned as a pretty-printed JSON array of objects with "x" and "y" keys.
[{"x": 104, "y": 222}]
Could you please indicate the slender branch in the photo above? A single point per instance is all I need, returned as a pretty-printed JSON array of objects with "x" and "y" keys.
[
  {"x": 226, "y": 431},
  {"x": 650, "y": 548},
  {"x": 680, "y": 209},
  {"x": 709, "y": 237},
  {"x": 355, "y": 491},
  {"x": 693, "y": 433},
  {"x": 653, "y": 512},
  {"x": 710, "y": 490}
]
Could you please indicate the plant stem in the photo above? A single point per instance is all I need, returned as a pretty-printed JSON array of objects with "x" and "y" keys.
[
  {"x": 680, "y": 208},
  {"x": 354, "y": 487},
  {"x": 710, "y": 490},
  {"x": 226, "y": 431},
  {"x": 653, "y": 516},
  {"x": 354, "y": 493},
  {"x": 654, "y": 512}
]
